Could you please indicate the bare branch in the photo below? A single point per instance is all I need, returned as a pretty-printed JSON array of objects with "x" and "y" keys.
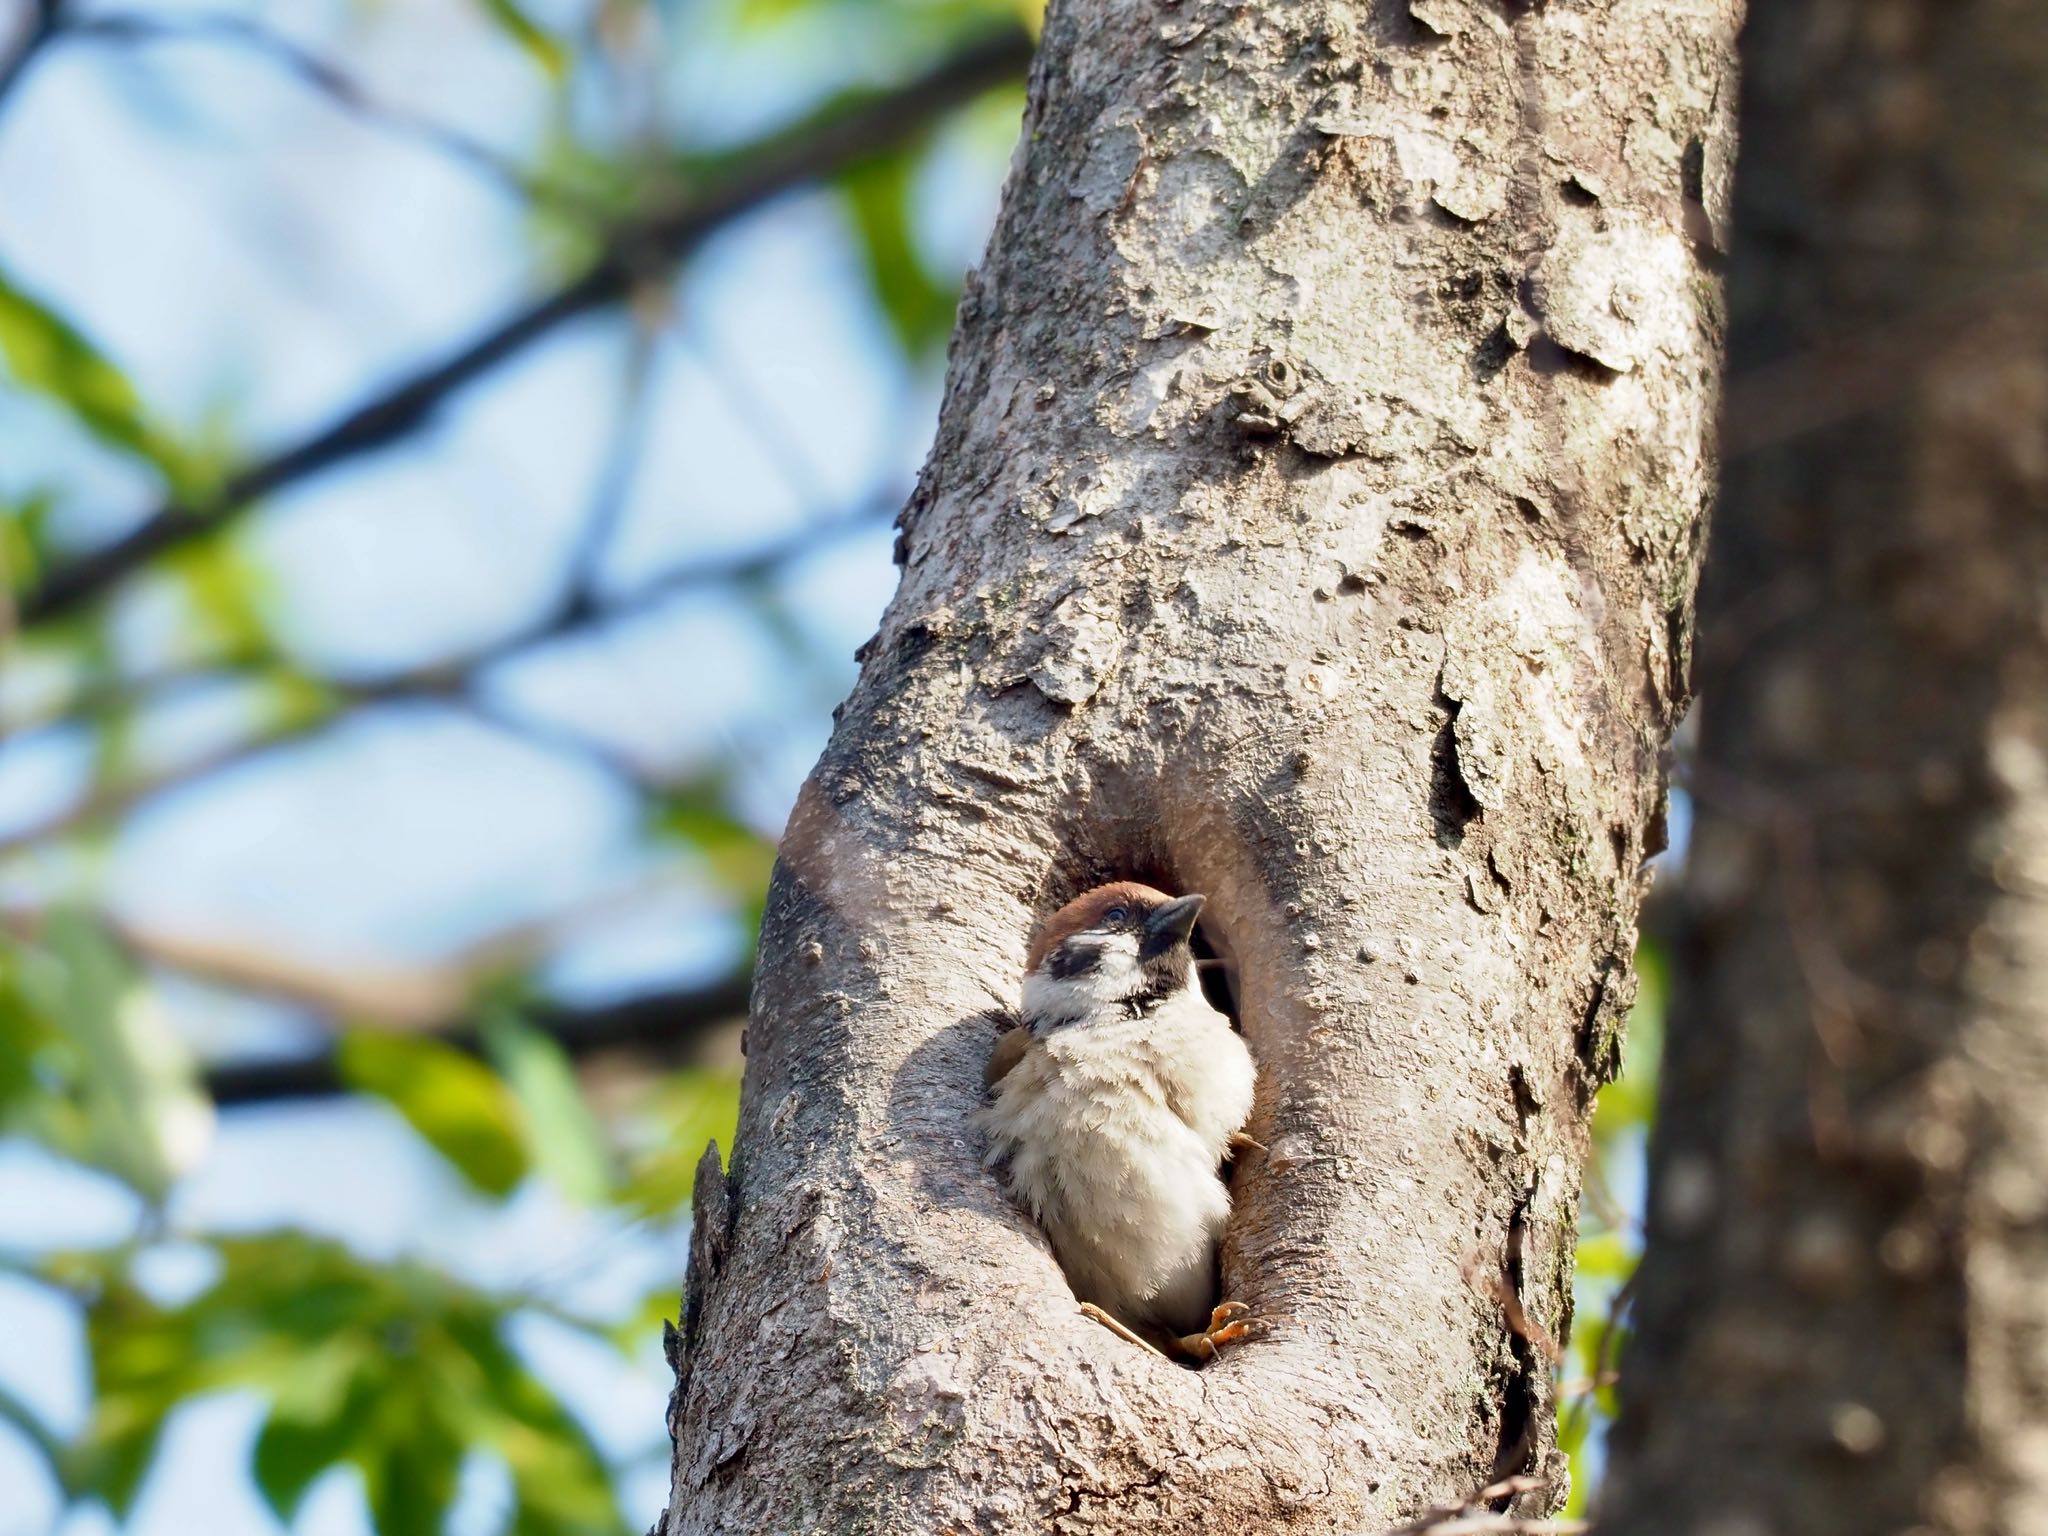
[
  {"x": 825, "y": 145},
  {"x": 402, "y": 997},
  {"x": 450, "y": 678},
  {"x": 40, "y": 30},
  {"x": 660, "y": 1022},
  {"x": 335, "y": 85},
  {"x": 615, "y": 476}
]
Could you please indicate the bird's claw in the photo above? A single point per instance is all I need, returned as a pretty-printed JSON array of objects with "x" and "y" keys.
[{"x": 1230, "y": 1322}]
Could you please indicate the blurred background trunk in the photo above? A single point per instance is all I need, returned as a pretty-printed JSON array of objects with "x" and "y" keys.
[
  {"x": 1843, "y": 1301},
  {"x": 1312, "y": 522}
]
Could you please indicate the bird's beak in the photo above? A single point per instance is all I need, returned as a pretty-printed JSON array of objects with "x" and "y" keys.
[{"x": 1171, "y": 924}]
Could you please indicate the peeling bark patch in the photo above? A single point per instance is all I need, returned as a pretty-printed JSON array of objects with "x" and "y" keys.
[
  {"x": 1451, "y": 803},
  {"x": 1616, "y": 295},
  {"x": 1444, "y": 18},
  {"x": 1078, "y": 657},
  {"x": 1481, "y": 757}
]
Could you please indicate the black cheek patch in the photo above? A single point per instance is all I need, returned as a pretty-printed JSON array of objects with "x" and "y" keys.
[
  {"x": 1164, "y": 974},
  {"x": 1072, "y": 959}
]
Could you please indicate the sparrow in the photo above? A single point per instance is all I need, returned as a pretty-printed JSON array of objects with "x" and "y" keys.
[{"x": 1114, "y": 1102}]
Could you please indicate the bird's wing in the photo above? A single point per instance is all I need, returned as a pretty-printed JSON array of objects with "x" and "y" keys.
[{"x": 1010, "y": 1047}]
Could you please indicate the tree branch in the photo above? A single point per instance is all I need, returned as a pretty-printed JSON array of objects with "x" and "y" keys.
[
  {"x": 38, "y": 32},
  {"x": 449, "y": 678},
  {"x": 661, "y": 1021},
  {"x": 335, "y": 85},
  {"x": 829, "y": 142}
]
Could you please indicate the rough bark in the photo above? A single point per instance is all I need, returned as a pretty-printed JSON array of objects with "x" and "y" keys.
[
  {"x": 1845, "y": 1294},
  {"x": 1312, "y": 522}
]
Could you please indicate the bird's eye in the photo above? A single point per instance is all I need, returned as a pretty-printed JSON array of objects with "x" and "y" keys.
[{"x": 1117, "y": 915}]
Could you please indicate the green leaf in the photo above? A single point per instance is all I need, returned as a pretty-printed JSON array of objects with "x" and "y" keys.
[
  {"x": 919, "y": 307},
  {"x": 228, "y": 593},
  {"x": 737, "y": 856},
  {"x": 663, "y": 1305},
  {"x": 393, "y": 1368},
  {"x": 290, "y": 1456},
  {"x": 30, "y": 1050},
  {"x": 119, "y": 1446},
  {"x": 909, "y": 24},
  {"x": 1608, "y": 1257},
  {"x": 411, "y": 1462},
  {"x": 296, "y": 700},
  {"x": 24, "y": 538},
  {"x": 567, "y": 1142},
  {"x": 455, "y": 1102},
  {"x": 558, "y": 1477},
  {"x": 539, "y": 44},
  {"x": 692, "y": 1107},
  {"x": 49, "y": 355},
  {"x": 132, "y": 1104},
  {"x": 23, "y": 1419}
]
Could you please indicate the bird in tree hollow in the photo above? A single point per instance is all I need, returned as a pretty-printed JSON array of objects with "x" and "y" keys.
[{"x": 1114, "y": 1103}]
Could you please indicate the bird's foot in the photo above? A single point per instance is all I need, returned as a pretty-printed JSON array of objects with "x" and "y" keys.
[
  {"x": 1239, "y": 1142},
  {"x": 1230, "y": 1323},
  {"x": 1089, "y": 1309}
]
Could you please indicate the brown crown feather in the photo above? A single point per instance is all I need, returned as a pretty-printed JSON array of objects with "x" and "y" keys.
[{"x": 1085, "y": 910}]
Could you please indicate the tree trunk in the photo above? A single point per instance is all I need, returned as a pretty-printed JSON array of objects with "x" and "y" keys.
[
  {"x": 1312, "y": 523},
  {"x": 1845, "y": 1295}
]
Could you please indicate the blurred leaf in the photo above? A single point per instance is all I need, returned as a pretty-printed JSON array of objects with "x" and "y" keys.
[
  {"x": 42, "y": 1071},
  {"x": 122, "y": 1089},
  {"x": 690, "y": 1108},
  {"x": 24, "y": 534},
  {"x": 49, "y": 355},
  {"x": 292, "y": 1453},
  {"x": 599, "y": 188},
  {"x": 23, "y": 1420},
  {"x": 1622, "y": 1120},
  {"x": 738, "y": 857},
  {"x": 395, "y": 1369},
  {"x": 920, "y": 307},
  {"x": 411, "y": 1459},
  {"x": 120, "y": 1444},
  {"x": 113, "y": 720},
  {"x": 541, "y": 45},
  {"x": 557, "y": 1473},
  {"x": 567, "y": 1142},
  {"x": 656, "y": 1307},
  {"x": 227, "y": 591},
  {"x": 27, "y": 1044},
  {"x": 1608, "y": 1257},
  {"x": 296, "y": 699},
  {"x": 910, "y": 24},
  {"x": 759, "y": 14},
  {"x": 455, "y": 1102}
]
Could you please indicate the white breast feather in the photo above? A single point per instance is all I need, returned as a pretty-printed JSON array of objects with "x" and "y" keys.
[{"x": 1111, "y": 1134}]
